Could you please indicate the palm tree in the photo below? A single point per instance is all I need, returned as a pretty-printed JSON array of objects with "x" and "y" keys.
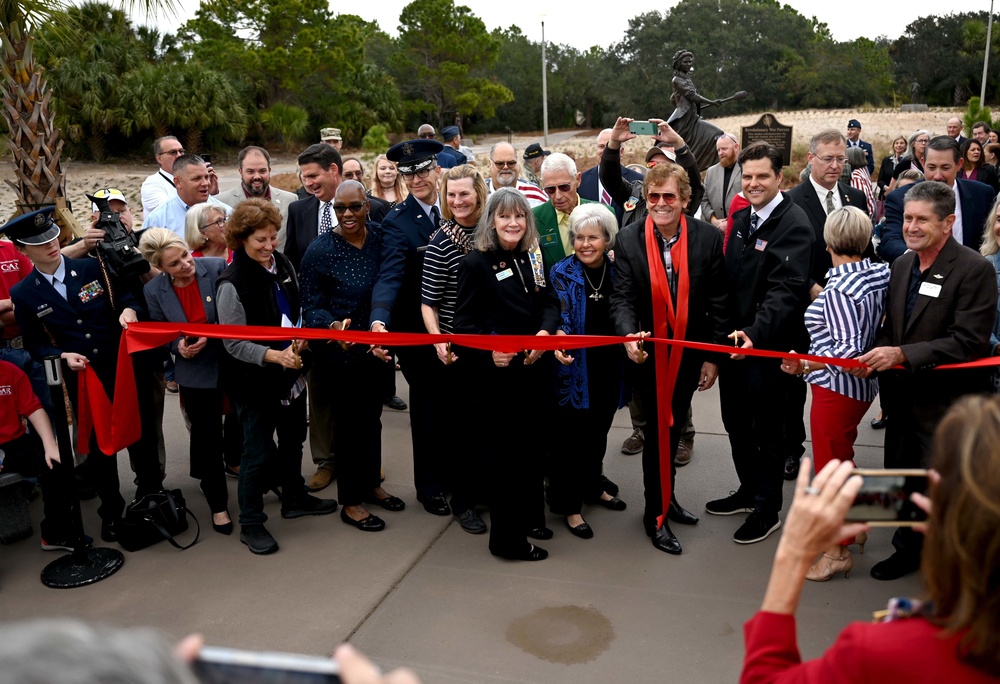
[{"x": 34, "y": 141}]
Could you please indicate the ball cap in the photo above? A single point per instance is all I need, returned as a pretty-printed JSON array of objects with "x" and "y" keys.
[
  {"x": 33, "y": 228},
  {"x": 329, "y": 134},
  {"x": 854, "y": 123},
  {"x": 109, "y": 194},
  {"x": 534, "y": 150},
  {"x": 656, "y": 150},
  {"x": 415, "y": 155}
]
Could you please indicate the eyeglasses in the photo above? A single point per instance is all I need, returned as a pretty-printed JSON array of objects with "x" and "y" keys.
[
  {"x": 353, "y": 208},
  {"x": 354, "y": 175},
  {"x": 831, "y": 160},
  {"x": 505, "y": 164},
  {"x": 923, "y": 141},
  {"x": 174, "y": 153},
  {"x": 423, "y": 173},
  {"x": 655, "y": 197},
  {"x": 427, "y": 136},
  {"x": 563, "y": 187},
  {"x": 220, "y": 222}
]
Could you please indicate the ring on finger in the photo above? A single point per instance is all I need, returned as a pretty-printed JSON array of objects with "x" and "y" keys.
[{"x": 811, "y": 491}]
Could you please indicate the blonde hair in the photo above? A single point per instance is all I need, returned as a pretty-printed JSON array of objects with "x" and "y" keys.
[
  {"x": 155, "y": 240},
  {"x": 990, "y": 245},
  {"x": 398, "y": 186},
  {"x": 848, "y": 230},
  {"x": 478, "y": 185}
]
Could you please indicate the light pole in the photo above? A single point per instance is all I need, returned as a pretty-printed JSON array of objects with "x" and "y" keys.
[
  {"x": 545, "y": 93},
  {"x": 986, "y": 57}
]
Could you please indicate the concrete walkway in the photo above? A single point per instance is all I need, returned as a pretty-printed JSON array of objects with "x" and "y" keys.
[{"x": 425, "y": 594}]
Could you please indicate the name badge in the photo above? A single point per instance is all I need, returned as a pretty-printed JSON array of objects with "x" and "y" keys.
[
  {"x": 44, "y": 312},
  {"x": 930, "y": 289},
  {"x": 760, "y": 245},
  {"x": 504, "y": 274}
]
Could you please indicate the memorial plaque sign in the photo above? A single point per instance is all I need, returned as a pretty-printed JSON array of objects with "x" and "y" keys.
[{"x": 769, "y": 130}]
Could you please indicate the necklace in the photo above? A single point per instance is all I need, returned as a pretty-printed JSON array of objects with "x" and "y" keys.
[{"x": 596, "y": 294}]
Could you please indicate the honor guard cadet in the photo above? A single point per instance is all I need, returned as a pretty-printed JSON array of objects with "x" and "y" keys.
[
  {"x": 406, "y": 232},
  {"x": 68, "y": 308}
]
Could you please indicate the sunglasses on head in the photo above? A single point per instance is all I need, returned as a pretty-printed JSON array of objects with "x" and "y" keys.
[
  {"x": 655, "y": 197},
  {"x": 563, "y": 187}
]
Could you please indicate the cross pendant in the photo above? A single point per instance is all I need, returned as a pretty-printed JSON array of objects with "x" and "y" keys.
[{"x": 596, "y": 296}]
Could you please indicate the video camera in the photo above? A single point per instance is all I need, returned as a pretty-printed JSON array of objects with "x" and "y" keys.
[{"x": 119, "y": 246}]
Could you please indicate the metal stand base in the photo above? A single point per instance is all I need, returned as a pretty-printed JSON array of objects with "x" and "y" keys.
[{"x": 81, "y": 568}]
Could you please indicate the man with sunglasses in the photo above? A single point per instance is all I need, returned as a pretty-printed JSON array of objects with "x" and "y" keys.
[
  {"x": 670, "y": 148},
  {"x": 560, "y": 181},
  {"x": 448, "y": 157},
  {"x": 504, "y": 174},
  {"x": 396, "y": 300}
]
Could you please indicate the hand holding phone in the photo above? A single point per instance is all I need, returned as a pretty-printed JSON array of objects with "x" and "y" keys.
[
  {"x": 884, "y": 498},
  {"x": 642, "y": 128},
  {"x": 215, "y": 665}
]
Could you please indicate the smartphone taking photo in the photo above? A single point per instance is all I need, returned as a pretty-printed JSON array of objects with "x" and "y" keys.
[
  {"x": 884, "y": 499},
  {"x": 216, "y": 665}
]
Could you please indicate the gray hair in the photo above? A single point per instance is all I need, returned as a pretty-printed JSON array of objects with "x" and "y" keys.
[
  {"x": 195, "y": 219},
  {"x": 856, "y": 157},
  {"x": 504, "y": 201},
  {"x": 502, "y": 142},
  {"x": 594, "y": 214},
  {"x": 184, "y": 161},
  {"x": 848, "y": 230},
  {"x": 830, "y": 135},
  {"x": 938, "y": 195},
  {"x": 72, "y": 652},
  {"x": 557, "y": 161},
  {"x": 159, "y": 141},
  {"x": 913, "y": 138}
]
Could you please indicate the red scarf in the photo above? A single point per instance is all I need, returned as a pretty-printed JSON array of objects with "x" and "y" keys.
[{"x": 668, "y": 322}]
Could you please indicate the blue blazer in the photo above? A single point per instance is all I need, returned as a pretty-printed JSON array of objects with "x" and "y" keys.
[
  {"x": 869, "y": 153},
  {"x": 590, "y": 190},
  {"x": 406, "y": 232},
  {"x": 84, "y": 323},
  {"x": 976, "y": 200},
  {"x": 202, "y": 371}
]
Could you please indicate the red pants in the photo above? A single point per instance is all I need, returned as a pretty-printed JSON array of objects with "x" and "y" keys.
[{"x": 834, "y": 420}]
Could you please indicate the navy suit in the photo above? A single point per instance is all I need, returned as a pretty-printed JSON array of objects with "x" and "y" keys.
[
  {"x": 86, "y": 325},
  {"x": 976, "y": 200},
  {"x": 869, "y": 154},
  {"x": 302, "y": 228},
  {"x": 589, "y": 188},
  {"x": 406, "y": 232},
  {"x": 804, "y": 195}
]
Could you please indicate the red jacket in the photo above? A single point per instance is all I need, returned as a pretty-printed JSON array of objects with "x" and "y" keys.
[{"x": 911, "y": 650}]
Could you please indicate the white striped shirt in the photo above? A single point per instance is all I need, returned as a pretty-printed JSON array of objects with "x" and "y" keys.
[
  {"x": 842, "y": 323},
  {"x": 534, "y": 194}
]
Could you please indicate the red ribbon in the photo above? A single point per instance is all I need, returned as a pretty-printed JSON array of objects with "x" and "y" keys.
[{"x": 117, "y": 425}]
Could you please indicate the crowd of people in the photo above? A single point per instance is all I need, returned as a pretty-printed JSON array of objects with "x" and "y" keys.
[{"x": 528, "y": 246}]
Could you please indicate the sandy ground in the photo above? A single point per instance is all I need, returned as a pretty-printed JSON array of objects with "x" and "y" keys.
[{"x": 880, "y": 126}]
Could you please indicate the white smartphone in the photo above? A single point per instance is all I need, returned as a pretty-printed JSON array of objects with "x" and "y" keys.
[{"x": 217, "y": 665}]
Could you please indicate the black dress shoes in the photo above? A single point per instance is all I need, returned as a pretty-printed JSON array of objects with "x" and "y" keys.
[
  {"x": 389, "y": 503},
  {"x": 894, "y": 567},
  {"x": 109, "y": 530},
  {"x": 680, "y": 515},
  {"x": 395, "y": 403},
  {"x": 665, "y": 541},
  {"x": 535, "y": 553},
  {"x": 609, "y": 486},
  {"x": 879, "y": 423},
  {"x": 540, "y": 533},
  {"x": 435, "y": 504},
  {"x": 791, "y": 468},
  {"x": 372, "y": 523},
  {"x": 310, "y": 505},
  {"x": 583, "y": 530},
  {"x": 614, "y": 503}
]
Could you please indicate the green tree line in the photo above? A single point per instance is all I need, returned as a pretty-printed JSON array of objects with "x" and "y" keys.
[{"x": 274, "y": 72}]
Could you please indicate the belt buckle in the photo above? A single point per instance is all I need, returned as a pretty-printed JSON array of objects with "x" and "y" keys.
[{"x": 17, "y": 342}]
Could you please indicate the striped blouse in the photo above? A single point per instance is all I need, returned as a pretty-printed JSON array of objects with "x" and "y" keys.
[
  {"x": 842, "y": 323},
  {"x": 439, "y": 286}
]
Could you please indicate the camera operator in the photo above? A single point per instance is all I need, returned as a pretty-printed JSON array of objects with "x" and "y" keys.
[{"x": 116, "y": 248}]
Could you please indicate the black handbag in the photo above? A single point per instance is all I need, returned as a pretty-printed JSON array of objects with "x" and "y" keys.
[{"x": 155, "y": 517}]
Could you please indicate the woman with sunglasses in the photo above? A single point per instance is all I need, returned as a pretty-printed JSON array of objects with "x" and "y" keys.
[
  {"x": 205, "y": 231},
  {"x": 669, "y": 281}
]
